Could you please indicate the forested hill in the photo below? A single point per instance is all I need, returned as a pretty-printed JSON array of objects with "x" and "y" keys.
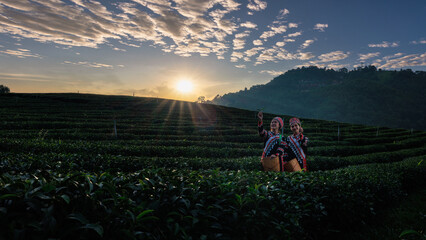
[{"x": 364, "y": 95}]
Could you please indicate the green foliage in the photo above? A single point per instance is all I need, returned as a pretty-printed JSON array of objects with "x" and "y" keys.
[
  {"x": 187, "y": 171},
  {"x": 159, "y": 203},
  {"x": 403, "y": 220}
]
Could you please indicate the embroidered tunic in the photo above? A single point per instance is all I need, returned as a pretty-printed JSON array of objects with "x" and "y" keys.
[
  {"x": 297, "y": 145},
  {"x": 275, "y": 145}
]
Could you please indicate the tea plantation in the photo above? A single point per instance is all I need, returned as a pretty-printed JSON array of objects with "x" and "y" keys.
[{"x": 76, "y": 166}]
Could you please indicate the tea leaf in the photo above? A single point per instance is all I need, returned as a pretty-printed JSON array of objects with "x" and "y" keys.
[
  {"x": 66, "y": 198},
  {"x": 140, "y": 215},
  {"x": 408, "y": 232},
  {"x": 8, "y": 196},
  {"x": 79, "y": 217},
  {"x": 96, "y": 227}
]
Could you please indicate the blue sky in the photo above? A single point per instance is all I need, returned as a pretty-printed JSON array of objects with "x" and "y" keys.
[{"x": 147, "y": 47}]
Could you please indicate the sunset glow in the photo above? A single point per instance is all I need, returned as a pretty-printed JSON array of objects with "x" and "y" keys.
[
  {"x": 138, "y": 47},
  {"x": 185, "y": 86}
]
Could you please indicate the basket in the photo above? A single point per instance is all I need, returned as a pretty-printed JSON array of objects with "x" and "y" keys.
[
  {"x": 271, "y": 164},
  {"x": 292, "y": 166}
]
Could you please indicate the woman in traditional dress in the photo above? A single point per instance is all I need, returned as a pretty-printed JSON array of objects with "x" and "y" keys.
[
  {"x": 274, "y": 154},
  {"x": 298, "y": 143}
]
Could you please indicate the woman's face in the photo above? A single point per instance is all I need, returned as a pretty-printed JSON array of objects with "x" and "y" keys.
[
  {"x": 295, "y": 128},
  {"x": 275, "y": 126}
]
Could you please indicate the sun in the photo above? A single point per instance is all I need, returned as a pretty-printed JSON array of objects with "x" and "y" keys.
[{"x": 184, "y": 86}]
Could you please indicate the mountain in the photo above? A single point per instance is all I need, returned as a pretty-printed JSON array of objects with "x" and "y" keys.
[{"x": 364, "y": 95}]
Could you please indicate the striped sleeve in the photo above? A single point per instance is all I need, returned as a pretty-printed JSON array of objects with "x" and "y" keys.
[{"x": 262, "y": 132}]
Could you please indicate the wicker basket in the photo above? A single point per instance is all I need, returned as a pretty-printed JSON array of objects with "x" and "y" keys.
[
  {"x": 271, "y": 164},
  {"x": 292, "y": 166}
]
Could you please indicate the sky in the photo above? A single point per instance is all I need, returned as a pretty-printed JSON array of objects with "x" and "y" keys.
[{"x": 153, "y": 47}]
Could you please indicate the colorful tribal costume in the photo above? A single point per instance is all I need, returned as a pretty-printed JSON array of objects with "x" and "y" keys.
[
  {"x": 274, "y": 144},
  {"x": 298, "y": 144}
]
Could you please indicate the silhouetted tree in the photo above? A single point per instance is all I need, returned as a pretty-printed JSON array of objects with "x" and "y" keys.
[
  {"x": 4, "y": 89},
  {"x": 201, "y": 99},
  {"x": 343, "y": 70}
]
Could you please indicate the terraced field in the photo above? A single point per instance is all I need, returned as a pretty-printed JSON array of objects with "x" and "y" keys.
[{"x": 114, "y": 167}]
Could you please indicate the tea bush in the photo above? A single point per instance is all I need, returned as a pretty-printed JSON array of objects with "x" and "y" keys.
[{"x": 180, "y": 170}]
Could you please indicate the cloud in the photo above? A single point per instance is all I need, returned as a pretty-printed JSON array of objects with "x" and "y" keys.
[
  {"x": 274, "y": 31},
  {"x": 181, "y": 27},
  {"x": 272, "y": 72},
  {"x": 21, "y": 53},
  {"x": 307, "y": 43},
  {"x": 293, "y": 25},
  {"x": 243, "y": 34},
  {"x": 156, "y": 7},
  {"x": 305, "y": 56},
  {"x": 253, "y": 51},
  {"x": 128, "y": 8},
  {"x": 333, "y": 56},
  {"x": 400, "y": 61},
  {"x": 129, "y": 44},
  {"x": 393, "y": 56},
  {"x": 119, "y": 49},
  {"x": 280, "y": 44},
  {"x": 419, "y": 42},
  {"x": 267, "y": 55},
  {"x": 171, "y": 25},
  {"x": 239, "y": 43},
  {"x": 26, "y": 77},
  {"x": 279, "y": 29},
  {"x": 267, "y": 34},
  {"x": 90, "y": 64},
  {"x": 249, "y": 25},
  {"x": 277, "y": 53},
  {"x": 89, "y": 23},
  {"x": 283, "y": 13},
  {"x": 19, "y": 5},
  {"x": 384, "y": 44},
  {"x": 320, "y": 27},
  {"x": 296, "y": 34},
  {"x": 192, "y": 8},
  {"x": 257, "y": 5},
  {"x": 240, "y": 66},
  {"x": 54, "y": 21},
  {"x": 363, "y": 57},
  {"x": 236, "y": 55},
  {"x": 257, "y": 42}
]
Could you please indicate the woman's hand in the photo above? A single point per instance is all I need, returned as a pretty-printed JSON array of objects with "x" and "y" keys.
[
  {"x": 260, "y": 116},
  {"x": 305, "y": 143}
]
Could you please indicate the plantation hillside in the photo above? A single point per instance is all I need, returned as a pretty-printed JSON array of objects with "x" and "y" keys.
[
  {"x": 77, "y": 166},
  {"x": 364, "y": 96}
]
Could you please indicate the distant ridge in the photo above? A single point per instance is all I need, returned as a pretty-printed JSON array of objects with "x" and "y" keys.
[{"x": 364, "y": 95}]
